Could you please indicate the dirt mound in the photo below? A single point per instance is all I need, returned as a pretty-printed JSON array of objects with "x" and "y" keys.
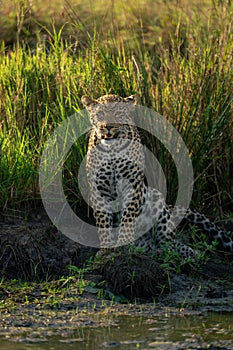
[
  {"x": 38, "y": 252},
  {"x": 133, "y": 275}
]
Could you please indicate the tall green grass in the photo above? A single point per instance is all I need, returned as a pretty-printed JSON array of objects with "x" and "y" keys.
[{"x": 180, "y": 65}]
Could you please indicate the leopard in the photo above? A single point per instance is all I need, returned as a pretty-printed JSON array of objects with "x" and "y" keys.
[{"x": 126, "y": 209}]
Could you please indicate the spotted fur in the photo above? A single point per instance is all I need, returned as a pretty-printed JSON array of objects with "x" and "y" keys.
[{"x": 118, "y": 191}]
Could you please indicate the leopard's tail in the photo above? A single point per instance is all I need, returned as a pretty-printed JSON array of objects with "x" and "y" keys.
[{"x": 224, "y": 240}]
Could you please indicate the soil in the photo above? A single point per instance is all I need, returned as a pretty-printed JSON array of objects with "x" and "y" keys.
[{"x": 34, "y": 250}]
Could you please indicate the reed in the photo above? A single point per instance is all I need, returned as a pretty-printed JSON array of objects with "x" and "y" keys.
[{"x": 178, "y": 59}]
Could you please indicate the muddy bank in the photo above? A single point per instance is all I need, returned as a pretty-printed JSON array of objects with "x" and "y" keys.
[
  {"x": 37, "y": 252},
  {"x": 43, "y": 304},
  {"x": 33, "y": 250}
]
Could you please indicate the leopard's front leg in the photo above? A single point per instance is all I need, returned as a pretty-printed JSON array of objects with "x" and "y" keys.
[
  {"x": 103, "y": 217},
  {"x": 104, "y": 223},
  {"x": 131, "y": 203}
]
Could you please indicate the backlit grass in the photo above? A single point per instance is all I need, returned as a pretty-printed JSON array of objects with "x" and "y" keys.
[{"x": 177, "y": 58}]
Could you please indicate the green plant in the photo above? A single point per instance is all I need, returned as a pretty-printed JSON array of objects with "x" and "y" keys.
[
  {"x": 171, "y": 260},
  {"x": 180, "y": 65}
]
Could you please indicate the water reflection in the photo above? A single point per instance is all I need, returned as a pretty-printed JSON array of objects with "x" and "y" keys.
[{"x": 173, "y": 332}]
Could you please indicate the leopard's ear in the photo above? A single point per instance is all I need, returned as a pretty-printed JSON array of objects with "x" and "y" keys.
[
  {"x": 88, "y": 101},
  {"x": 132, "y": 99}
]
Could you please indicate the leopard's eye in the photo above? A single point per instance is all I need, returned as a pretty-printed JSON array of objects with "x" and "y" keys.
[
  {"x": 115, "y": 129},
  {"x": 100, "y": 115}
]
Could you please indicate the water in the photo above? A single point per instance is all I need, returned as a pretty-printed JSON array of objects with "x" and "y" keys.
[{"x": 209, "y": 331}]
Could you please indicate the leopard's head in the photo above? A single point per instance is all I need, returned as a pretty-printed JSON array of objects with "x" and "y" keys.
[{"x": 110, "y": 114}]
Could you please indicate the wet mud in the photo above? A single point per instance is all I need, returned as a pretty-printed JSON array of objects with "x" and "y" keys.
[{"x": 32, "y": 251}]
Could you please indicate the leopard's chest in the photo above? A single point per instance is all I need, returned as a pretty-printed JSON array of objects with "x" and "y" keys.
[{"x": 115, "y": 154}]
